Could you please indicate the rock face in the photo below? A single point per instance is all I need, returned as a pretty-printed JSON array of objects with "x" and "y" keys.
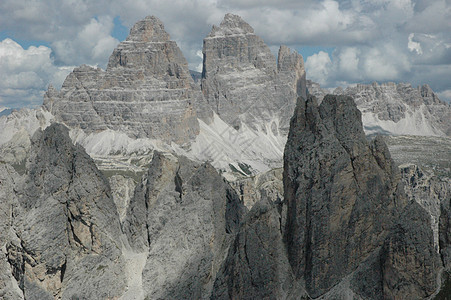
[
  {"x": 445, "y": 225},
  {"x": 410, "y": 264},
  {"x": 256, "y": 266},
  {"x": 398, "y": 109},
  {"x": 337, "y": 224},
  {"x": 65, "y": 223},
  {"x": 428, "y": 190},
  {"x": 242, "y": 82},
  {"x": 183, "y": 215},
  {"x": 343, "y": 197},
  {"x": 146, "y": 90},
  {"x": 268, "y": 185},
  {"x": 9, "y": 287}
]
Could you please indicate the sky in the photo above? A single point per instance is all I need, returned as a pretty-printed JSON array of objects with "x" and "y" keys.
[{"x": 342, "y": 41}]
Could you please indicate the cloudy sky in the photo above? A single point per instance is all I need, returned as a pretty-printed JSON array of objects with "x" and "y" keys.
[{"x": 342, "y": 41}]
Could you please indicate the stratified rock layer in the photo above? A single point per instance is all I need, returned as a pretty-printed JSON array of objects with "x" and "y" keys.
[
  {"x": 242, "y": 82},
  {"x": 146, "y": 90},
  {"x": 343, "y": 197}
]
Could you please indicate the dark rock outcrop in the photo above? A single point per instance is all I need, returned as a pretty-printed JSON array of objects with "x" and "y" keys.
[
  {"x": 66, "y": 224},
  {"x": 410, "y": 264},
  {"x": 343, "y": 198},
  {"x": 257, "y": 266}
]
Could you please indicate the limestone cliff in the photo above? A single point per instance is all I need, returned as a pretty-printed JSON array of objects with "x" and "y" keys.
[
  {"x": 146, "y": 90},
  {"x": 242, "y": 81}
]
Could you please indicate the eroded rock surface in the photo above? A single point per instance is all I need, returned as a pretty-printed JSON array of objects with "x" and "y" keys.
[
  {"x": 257, "y": 266},
  {"x": 146, "y": 90},
  {"x": 66, "y": 224},
  {"x": 343, "y": 199},
  {"x": 242, "y": 81},
  {"x": 184, "y": 214},
  {"x": 398, "y": 109}
]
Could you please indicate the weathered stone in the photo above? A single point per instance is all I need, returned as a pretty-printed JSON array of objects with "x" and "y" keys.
[
  {"x": 399, "y": 109},
  {"x": 428, "y": 190},
  {"x": 268, "y": 185},
  {"x": 66, "y": 224},
  {"x": 410, "y": 263},
  {"x": 256, "y": 266},
  {"x": 11, "y": 282},
  {"x": 146, "y": 90},
  {"x": 184, "y": 214},
  {"x": 242, "y": 82}
]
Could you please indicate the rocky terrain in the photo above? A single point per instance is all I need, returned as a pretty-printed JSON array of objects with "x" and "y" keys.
[
  {"x": 146, "y": 74},
  {"x": 139, "y": 183},
  {"x": 396, "y": 109},
  {"x": 350, "y": 229}
]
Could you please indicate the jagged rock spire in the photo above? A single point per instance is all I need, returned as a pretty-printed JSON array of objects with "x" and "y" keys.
[{"x": 151, "y": 29}]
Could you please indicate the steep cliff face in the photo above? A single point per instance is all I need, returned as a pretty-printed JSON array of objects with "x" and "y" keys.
[
  {"x": 242, "y": 82},
  {"x": 343, "y": 197},
  {"x": 257, "y": 266},
  {"x": 183, "y": 215},
  {"x": 146, "y": 90},
  {"x": 65, "y": 224}
]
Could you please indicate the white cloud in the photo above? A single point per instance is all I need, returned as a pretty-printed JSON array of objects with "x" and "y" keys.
[
  {"x": 445, "y": 95},
  {"x": 25, "y": 74},
  {"x": 414, "y": 46},
  {"x": 92, "y": 45},
  {"x": 317, "y": 66}
]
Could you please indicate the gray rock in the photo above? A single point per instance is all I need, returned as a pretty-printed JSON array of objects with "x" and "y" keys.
[
  {"x": 10, "y": 281},
  {"x": 256, "y": 266},
  {"x": 424, "y": 187},
  {"x": 344, "y": 199},
  {"x": 146, "y": 90},
  {"x": 267, "y": 185},
  {"x": 183, "y": 215},
  {"x": 66, "y": 224},
  {"x": 410, "y": 263},
  {"x": 336, "y": 188},
  {"x": 242, "y": 82},
  {"x": 122, "y": 189},
  {"x": 445, "y": 229},
  {"x": 410, "y": 111}
]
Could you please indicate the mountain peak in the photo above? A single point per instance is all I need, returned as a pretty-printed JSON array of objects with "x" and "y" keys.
[
  {"x": 150, "y": 29},
  {"x": 230, "y": 25}
]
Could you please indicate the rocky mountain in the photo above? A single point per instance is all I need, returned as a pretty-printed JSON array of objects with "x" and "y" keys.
[
  {"x": 241, "y": 78},
  {"x": 138, "y": 183},
  {"x": 350, "y": 229},
  {"x": 147, "y": 100},
  {"x": 396, "y": 109},
  {"x": 146, "y": 75}
]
